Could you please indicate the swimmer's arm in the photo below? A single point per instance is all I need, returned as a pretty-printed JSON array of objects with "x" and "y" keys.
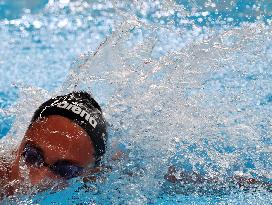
[
  {"x": 246, "y": 183},
  {"x": 237, "y": 181},
  {"x": 175, "y": 176}
]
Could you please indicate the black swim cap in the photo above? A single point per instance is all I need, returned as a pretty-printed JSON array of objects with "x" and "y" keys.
[{"x": 82, "y": 109}]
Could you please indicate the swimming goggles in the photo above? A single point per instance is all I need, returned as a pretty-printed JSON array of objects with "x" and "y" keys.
[{"x": 66, "y": 169}]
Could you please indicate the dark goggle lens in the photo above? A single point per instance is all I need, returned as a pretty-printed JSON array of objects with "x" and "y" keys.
[
  {"x": 33, "y": 156},
  {"x": 66, "y": 169}
]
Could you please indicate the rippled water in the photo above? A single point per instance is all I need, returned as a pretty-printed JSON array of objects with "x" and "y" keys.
[{"x": 182, "y": 83}]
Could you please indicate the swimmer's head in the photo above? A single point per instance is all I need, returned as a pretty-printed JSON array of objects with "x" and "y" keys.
[
  {"x": 67, "y": 133},
  {"x": 81, "y": 109}
]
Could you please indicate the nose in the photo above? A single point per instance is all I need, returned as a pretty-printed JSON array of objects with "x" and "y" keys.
[{"x": 38, "y": 174}]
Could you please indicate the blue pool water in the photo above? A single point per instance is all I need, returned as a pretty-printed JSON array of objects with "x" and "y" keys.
[{"x": 184, "y": 83}]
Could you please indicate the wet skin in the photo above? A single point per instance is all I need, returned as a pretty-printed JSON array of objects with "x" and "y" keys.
[{"x": 59, "y": 139}]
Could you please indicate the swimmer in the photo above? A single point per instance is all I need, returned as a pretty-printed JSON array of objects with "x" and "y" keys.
[
  {"x": 67, "y": 138},
  {"x": 188, "y": 183},
  {"x": 67, "y": 135}
]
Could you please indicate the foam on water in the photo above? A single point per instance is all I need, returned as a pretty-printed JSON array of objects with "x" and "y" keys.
[
  {"x": 201, "y": 104},
  {"x": 199, "y": 99}
]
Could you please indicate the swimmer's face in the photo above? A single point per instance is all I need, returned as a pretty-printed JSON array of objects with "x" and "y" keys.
[{"x": 59, "y": 140}]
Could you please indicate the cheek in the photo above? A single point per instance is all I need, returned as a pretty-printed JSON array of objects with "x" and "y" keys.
[
  {"x": 87, "y": 155},
  {"x": 83, "y": 152}
]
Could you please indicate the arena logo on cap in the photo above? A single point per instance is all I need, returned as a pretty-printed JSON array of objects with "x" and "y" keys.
[{"x": 79, "y": 111}]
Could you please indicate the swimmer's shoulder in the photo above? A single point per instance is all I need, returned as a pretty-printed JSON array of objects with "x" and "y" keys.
[
  {"x": 4, "y": 170},
  {"x": 5, "y": 176}
]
